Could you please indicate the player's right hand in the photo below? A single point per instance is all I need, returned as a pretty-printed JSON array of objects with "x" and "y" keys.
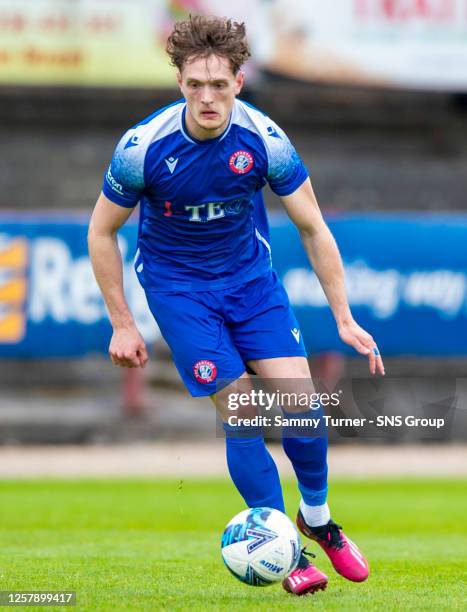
[{"x": 127, "y": 348}]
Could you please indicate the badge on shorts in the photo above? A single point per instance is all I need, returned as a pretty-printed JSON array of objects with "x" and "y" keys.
[
  {"x": 241, "y": 162},
  {"x": 205, "y": 371}
]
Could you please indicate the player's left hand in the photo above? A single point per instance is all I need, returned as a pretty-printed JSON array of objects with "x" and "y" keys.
[{"x": 351, "y": 333}]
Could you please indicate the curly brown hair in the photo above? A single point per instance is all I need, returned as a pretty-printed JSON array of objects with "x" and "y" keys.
[{"x": 201, "y": 36}]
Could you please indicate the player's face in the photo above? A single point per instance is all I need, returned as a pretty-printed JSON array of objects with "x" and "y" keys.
[{"x": 209, "y": 88}]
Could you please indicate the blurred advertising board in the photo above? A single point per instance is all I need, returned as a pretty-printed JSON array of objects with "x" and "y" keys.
[
  {"x": 406, "y": 280},
  {"x": 120, "y": 43},
  {"x": 83, "y": 42},
  {"x": 415, "y": 44},
  {"x": 50, "y": 305}
]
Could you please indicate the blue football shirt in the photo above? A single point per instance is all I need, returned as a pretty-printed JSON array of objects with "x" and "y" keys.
[{"x": 202, "y": 220}]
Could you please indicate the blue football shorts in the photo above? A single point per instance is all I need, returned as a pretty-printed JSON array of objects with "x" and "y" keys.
[{"x": 213, "y": 334}]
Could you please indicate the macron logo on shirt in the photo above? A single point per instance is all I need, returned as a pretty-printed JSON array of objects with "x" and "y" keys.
[
  {"x": 133, "y": 142},
  {"x": 272, "y": 132},
  {"x": 296, "y": 334},
  {"x": 171, "y": 163}
]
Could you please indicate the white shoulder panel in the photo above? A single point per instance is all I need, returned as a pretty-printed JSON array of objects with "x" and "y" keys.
[
  {"x": 130, "y": 153},
  {"x": 282, "y": 157}
]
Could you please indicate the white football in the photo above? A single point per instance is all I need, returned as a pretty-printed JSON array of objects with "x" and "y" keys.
[{"x": 260, "y": 546}]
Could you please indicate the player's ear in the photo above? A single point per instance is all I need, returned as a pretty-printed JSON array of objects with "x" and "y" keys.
[{"x": 239, "y": 80}]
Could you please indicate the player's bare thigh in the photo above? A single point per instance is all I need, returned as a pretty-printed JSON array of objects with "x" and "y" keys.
[
  {"x": 221, "y": 399},
  {"x": 289, "y": 376},
  {"x": 281, "y": 367},
  {"x": 284, "y": 374}
]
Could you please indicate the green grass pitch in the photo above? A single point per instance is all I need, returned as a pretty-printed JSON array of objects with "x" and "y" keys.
[{"x": 154, "y": 544}]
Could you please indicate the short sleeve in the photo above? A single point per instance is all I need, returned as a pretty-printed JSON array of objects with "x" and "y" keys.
[
  {"x": 124, "y": 179},
  {"x": 286, "y": 170}
]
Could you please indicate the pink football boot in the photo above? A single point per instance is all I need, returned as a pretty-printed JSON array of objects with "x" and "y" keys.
[
  {"x": 306, "y": 579},
  {"x": 346, "y": 558}
]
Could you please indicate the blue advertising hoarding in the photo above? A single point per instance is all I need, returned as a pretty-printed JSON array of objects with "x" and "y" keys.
[
  {"x": 50, "y": 305},
  {"x": 406, "y": 277}
]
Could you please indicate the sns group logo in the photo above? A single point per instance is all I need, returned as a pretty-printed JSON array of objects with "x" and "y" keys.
[{"x": 241, "y": 162}]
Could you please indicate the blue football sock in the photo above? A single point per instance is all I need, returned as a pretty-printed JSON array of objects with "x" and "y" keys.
[
  {"x": 306, "y": 448},
  {"x": 252, "y": 468}
]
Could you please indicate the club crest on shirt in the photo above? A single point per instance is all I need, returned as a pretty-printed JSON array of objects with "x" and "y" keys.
[
  {"x": 241, "y": 162},
  {"x": 205, "y": 371}
]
